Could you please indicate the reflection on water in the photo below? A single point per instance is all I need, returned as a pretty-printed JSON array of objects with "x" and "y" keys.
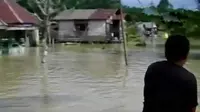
[{"x": 80, "y": 78}]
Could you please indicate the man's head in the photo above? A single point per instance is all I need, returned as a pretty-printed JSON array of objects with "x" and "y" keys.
[{"x": 177, "y": 49}]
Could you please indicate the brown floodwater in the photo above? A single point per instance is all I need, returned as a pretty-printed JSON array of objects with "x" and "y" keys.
[{"x": 78, "y": 78}]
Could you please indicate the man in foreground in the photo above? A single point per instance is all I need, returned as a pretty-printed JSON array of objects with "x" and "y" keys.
[{"x": 168, "y": 86}]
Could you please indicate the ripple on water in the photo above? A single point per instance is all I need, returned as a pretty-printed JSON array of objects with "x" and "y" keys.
[{"x": 90, "y": 81}]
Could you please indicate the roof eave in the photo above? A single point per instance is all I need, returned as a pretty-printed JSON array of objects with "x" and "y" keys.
[{"x": 75, "y": 19}]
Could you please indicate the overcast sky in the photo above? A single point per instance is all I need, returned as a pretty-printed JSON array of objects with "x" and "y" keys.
[{"x": 189, "y": 4}]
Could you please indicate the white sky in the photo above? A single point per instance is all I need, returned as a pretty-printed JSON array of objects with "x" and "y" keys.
[{"x": 189, "y": 4}]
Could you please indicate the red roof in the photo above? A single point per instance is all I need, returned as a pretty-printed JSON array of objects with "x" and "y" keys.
[
  {"x": 2, "y": 23},
  {"x": 117, "y": 17},
  {"x": 103, "y": 13},
  {"x": 13, "y": 13}
]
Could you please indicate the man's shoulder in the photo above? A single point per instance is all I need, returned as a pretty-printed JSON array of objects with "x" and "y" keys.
[
  {"x": 157, "y": 64},
  {"x": 155, "y": 67},
  {"x": 187, "y": 75},
  {"x": 165, "y": 64},
  {"x": 164, "y": 67}
]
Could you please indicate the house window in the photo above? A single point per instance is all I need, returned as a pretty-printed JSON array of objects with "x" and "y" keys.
[{"x": 81, "y": 25}]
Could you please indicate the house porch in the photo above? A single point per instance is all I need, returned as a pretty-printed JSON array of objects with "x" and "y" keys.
[{"x": 23, "y": 34}]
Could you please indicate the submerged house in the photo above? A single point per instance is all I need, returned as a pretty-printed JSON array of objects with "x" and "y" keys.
[
  {"x": 16, "y": 22},
  {"x": 89, "y": 25}
]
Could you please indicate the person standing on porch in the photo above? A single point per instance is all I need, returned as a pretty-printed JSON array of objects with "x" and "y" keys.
[{"x": 169, "y": 87}]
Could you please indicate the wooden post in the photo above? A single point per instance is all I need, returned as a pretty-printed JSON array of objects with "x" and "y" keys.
[
  {"x": 53, "y": 42},
  {"x": 123, "y": 34},
  {"x": 49, "y": 34},
  {"x": 27, "y": 41},
  {"x": 35, "y": 35},
  {"x": 45, "y": 51}
]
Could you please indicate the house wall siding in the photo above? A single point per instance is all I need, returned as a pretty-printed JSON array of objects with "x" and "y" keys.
[
  {"x": 96, "y": 31},
  {"x": 97, "y": 28},
  {"x": 66, "y": 28}
]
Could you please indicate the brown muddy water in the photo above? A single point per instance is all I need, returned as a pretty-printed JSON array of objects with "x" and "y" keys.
[{"x": 78, "y": 78}]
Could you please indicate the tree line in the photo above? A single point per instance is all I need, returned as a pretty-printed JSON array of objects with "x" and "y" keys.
[{"x": 189, "y": 20}]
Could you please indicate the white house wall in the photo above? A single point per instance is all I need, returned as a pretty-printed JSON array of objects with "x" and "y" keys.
[
  {"x": 97, "y": 28},
  {"x": 96, "y": 31},
  {"x": 66, "y": 28}
]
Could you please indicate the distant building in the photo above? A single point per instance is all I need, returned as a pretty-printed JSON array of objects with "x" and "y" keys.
[
  {"x": 166, "y": 17},
  {"x": 147, "y": 24},
  {"x": 151, "y": 11},
  {"x": 146, "y": 29},
  {"x": 16, "y": 22},
  {"x": 88, "y": 25}
]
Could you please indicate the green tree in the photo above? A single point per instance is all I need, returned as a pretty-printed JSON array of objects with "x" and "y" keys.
[
  {"x": 91, "y": 4},
  {"x": 46, "y": 9},
  {"x": 164, "y": 5}
]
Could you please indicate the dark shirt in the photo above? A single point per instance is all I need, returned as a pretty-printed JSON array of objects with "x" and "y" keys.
[{"x": 169, "y": 88}]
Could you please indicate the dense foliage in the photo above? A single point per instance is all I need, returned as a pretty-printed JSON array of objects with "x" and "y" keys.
[{"x": 189, "y": 21}]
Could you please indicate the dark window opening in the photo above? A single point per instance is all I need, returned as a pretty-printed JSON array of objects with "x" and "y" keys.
[
  {"x": 116, "y": 23},
  {"x": 81, "y": 25},
  {"x": 116, "y": 28},
  {"x": 15, "y": 45}
]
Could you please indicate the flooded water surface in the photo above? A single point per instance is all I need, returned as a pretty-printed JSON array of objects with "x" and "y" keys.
[{"x": 77, "y": 78}]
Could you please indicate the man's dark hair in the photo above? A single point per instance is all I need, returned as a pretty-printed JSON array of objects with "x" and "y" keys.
[{"x": 177, "y": 48}]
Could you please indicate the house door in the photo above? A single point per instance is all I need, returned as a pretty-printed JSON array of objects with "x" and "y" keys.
[
  {"x": 116, "y": 28},
  {"x": 81, "y": 28}
]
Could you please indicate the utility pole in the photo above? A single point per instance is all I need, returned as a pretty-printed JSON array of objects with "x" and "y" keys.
[{"x": 123, "y": 34}]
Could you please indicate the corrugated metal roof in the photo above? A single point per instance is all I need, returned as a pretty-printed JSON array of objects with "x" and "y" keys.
[
  {"x": 147, "y": 24},
  {"x": 103, "y": 13},
  {"x": 170, "y": 18},
  {"x": 93, "y": 14},
  {"x": 13, "y": 13},
  {"x": 2, "y": 23},
  {"x": 82, "y": 14},
  {"x": 75, "y": 14},
  {"x": 150, "y": 11},
  {"x": 167, "y": 17},
  {"x": 118, "y": 17},
  {"x": 63, "y": 15}
]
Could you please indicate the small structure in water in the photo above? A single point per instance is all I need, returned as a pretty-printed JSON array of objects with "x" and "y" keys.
[
  {"x": 89, "y": 25},
  {"x": 146, "y": 31},
  {"x": 16, "y": 22},
  {"x": 10, "y": 47}
]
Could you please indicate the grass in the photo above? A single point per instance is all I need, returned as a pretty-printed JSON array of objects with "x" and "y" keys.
[{"x": 195, "y": 41}]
